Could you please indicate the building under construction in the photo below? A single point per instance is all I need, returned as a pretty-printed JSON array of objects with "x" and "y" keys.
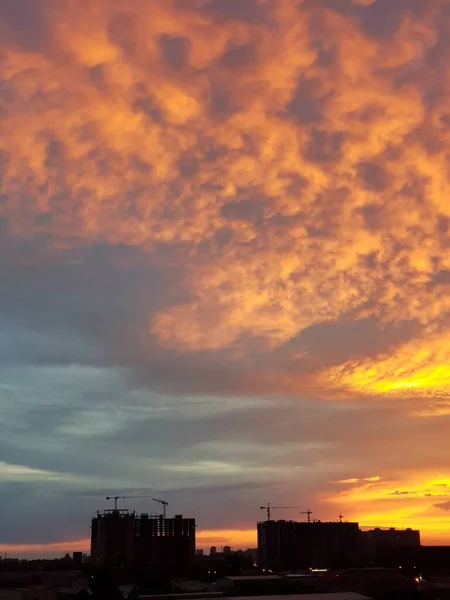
[{"x": 122, "y": 539}]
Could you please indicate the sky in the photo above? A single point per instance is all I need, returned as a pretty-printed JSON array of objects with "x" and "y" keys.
[{"x": 224, "y": 263}]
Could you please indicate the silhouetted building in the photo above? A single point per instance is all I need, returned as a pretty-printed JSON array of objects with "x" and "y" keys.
[
  {"x": 289, "y": 545},
  {"x": 165, "y": 542},
  {"x": 113, "y": 538},
  {"x": 428, "y": 560},
  {"x": 375, "y": 582},
  {"x": 212, "y": 550},
  {"x": 264, "y": 585},
  {"x": 120, "y": 538},
  {"x": 384, "y": 546},
  {"x": 226, "y": 550}
]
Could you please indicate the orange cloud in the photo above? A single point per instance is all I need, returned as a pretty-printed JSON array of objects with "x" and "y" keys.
[
  {"x": 312, "y": 183},
  {"x": 357, "y": 480},
  {"x": 417, "y": 368},
  {"x": 410, "y": 501}
]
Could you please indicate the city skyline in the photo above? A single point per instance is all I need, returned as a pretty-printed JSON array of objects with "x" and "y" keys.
[{"x": 224, "y": 233}]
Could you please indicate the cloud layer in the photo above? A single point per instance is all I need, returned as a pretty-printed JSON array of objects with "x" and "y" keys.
[{"x": 224, "y": 234}]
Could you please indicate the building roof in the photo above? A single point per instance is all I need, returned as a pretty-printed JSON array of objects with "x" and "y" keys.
[
  {"x": 333, "y": 596},
  {"x": 251, "y": 577}
]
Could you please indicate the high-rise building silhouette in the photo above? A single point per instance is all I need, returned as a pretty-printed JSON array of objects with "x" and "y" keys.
[
  {"x": 164, "y": 542},
  {"x": 386, "y": 546},
  {"x": 293, "y": 545},
  {"x": 120, "y": 538},
  {"x": 113, "y": 538}
]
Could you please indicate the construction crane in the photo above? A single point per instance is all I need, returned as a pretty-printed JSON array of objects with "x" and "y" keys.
[
  {"x": 269, "y": 508},
  {"x": 115, "y": 498},
  {"x": 341, "y": 516},
  {"x": 164, "y": 503},
  {"x": 307, "y": 512}
]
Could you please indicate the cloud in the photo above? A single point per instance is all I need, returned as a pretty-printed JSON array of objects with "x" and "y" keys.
[
  {"x": 357, "y": 480},
  {"x": 10, "y": 472},
  {"x": 224, "y": 246},
  {"x": 442, "y": 505}
]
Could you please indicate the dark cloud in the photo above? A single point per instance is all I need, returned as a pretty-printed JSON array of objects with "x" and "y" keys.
[
  {"x": 348, "y": 339},
  {"x": 308, "y": 101},
  {"x": 441, "y": 277},
  {"x": 175, "y": 51},
  {"x": 122, "y": 30},
  {"x": 238, "y": 56},
  {"x": 325, "y": 146},
  {"x": 375, "y": 178},
  {"x": 380, "y": 17},
  {"x": 251, "y": 11},
  {"x": 25, "y": 22}
]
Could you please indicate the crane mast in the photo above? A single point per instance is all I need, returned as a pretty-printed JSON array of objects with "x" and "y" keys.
[
  {"x": 164, "y": 503},
  {"x": 269, "y": 508}
]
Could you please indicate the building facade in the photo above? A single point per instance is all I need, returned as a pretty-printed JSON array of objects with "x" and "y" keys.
[
  {"x": 385, "y": 546},
  {"x": 290, "y": 545},
  {"x": 113, "y": 538},
  {"x": 162, "y": 541},
  {"x": 122, "y": 539}
]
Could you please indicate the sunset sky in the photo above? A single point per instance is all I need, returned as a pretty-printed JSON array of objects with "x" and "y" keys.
[{"x": 225, "y": 264}]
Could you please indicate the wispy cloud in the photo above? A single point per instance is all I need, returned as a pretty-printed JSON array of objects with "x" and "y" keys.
[
  {"x": 359, "y": 480},
  {"x": 10, "y": 472}
]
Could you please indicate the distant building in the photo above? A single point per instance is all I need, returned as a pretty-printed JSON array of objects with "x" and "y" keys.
[
  {"x": 164, "y": 542},
  {"x": 226, "y": 550},
  {"x": 212, "y": 551},
  {"x": 394, "y": 537},
  {"x": 120, "y": 538},
  {"x": 427, "y": 560},
  {"x": 290, "y": 545},
  {"x": 384, "y": 546},
  {"x": 263, "y": 585},
  {"x": 113, "y": 538}
]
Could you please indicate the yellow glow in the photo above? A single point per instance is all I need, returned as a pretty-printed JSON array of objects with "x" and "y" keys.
[
  {"x": 236, "y": 538},
  {"x": 417, "y": 368},
  {"x": 398, "y": 503}
]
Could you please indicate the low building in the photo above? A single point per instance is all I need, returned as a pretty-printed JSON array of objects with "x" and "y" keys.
[
  {"x": 261, "y": 585},
  {"x": 29, "y": 593},
  {"x": 376, "y": 582}
]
